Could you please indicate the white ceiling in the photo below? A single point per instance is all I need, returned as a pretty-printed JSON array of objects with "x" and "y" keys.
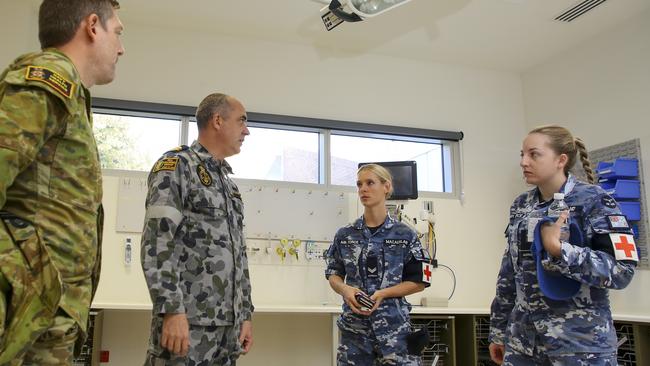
[{"x": 510, "y": 35}]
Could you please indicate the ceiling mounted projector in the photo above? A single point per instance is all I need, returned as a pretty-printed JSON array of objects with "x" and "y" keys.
[{"x": 339, "y": 11}]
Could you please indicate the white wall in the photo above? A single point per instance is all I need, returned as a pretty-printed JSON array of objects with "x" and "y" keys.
[
  {"x": 19, "y": 33},
  {"x": 179, "y": 67},
  {"x": 601, "y": 91},
  {"x": 168, "y": 66},
  {"x": 486, "y": 105}
]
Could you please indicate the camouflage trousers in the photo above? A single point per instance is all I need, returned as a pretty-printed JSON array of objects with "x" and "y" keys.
[
  {"x": 360, "y": 350},
  {"x": 30, "y": 292},
  {"x": 54, "y": 347},
  {"x": 514, "y": 358},
  {"x": 209, "y": 346}
]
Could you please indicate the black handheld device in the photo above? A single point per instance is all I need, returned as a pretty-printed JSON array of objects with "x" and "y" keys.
[{"x": 364, "y": 300}]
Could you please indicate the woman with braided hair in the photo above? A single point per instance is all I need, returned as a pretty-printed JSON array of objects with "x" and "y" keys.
[{"x": 552, "y": 305}]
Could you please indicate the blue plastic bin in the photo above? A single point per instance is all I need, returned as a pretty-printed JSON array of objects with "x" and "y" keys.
[
  {"x": 620, "y": 168},
  {"x": 625, "y": 189},
  {"x": 631, "y": 210}
]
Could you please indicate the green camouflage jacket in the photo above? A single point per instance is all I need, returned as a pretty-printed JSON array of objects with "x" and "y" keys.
[{"x": 50, "y": 192}]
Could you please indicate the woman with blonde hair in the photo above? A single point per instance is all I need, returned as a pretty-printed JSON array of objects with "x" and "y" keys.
[
  {"x": 373, "y": 263},
  {"x": 551, "y": 305}
]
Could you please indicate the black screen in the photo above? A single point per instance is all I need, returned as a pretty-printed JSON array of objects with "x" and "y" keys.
[{"x": 405, "y": 182}]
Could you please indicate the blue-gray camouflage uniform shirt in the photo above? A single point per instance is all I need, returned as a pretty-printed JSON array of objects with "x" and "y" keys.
[
  {"x": 371, "y": 262},
  {"x": 522, "y": 317},
  {"x": 193, "y": 252}
]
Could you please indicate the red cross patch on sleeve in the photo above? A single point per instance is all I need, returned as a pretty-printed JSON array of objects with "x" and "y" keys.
[
  {"x": 624, "y": 247},
  {"x": 426, "y": 272}
]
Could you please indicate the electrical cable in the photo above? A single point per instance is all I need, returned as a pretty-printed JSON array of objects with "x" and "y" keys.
[
  {"x": 432, "y": 244},
  {"x": 454, "y": 277}
]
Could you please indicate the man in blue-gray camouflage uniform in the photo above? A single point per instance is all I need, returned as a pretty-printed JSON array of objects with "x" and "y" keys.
[
  {"x": 578, "y": 330},
  {"x": 193, "y": 252},
  {"x": 372, "y": 259}
]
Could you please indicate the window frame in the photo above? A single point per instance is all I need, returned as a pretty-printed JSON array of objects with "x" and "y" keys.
[
  {"x": 447, "y": 152},
  {"x": 450, "y": 141},
  {"x": 139, "y": 114},
  {"x": 290, "y": 129}
]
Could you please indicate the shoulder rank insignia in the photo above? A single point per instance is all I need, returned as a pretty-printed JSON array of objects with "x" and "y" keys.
[
  {"x": 166, "y": 164},
  {"x": 51, "y": 78},
  {"x": 204, "y": 175},
  {"x": 179, "y": 148}
]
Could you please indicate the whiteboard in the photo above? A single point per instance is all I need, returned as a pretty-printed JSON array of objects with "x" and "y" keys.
[
  {"x": 131, "y": 196},
  {"x": 308, "y": 214},
  {"x": 293, "y": 213}
]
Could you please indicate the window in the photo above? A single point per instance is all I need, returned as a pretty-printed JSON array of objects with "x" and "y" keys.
[
  {"x": 133, "y": 135},
  {"x": 348, "y": 151},
  {"x": 133, "y": 143},
  {"x": 275, "y": 154}
]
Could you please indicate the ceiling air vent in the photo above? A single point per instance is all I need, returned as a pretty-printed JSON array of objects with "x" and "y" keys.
[{"x": 578, "y": 10}]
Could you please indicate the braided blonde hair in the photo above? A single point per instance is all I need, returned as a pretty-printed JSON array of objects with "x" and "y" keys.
[
  {"x": 584, "y": 159},
  {"x": 563, "y": 142}
]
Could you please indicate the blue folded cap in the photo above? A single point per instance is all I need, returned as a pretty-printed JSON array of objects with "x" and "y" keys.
[{"x": 554, "y": 285}]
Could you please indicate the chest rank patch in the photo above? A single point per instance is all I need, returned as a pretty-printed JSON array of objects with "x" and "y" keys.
[
  {"x": 372, "y": 266},
  {"x": 166, "y": 164},
  {"x": 51, "y": 78},
  {"x": 204, "y": 176}
]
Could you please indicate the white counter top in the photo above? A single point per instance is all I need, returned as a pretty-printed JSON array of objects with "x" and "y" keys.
[
  {"x": 328, "y": 308},
  {"x": 635, "y": 318},
  {"x": 336, "y": 309}
]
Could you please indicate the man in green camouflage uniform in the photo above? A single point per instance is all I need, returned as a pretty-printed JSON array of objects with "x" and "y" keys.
[
  {"x": 50, "y": 182},
  {"x": 193, "y": 251}
]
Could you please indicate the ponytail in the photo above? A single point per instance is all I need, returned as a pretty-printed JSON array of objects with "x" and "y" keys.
[{"x": 584, "y": 159}]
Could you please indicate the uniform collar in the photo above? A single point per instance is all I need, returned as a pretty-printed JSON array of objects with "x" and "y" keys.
[
  {"x": 567, "y": 188},
  {"x": 205, "y": 155},
  {"x": 72, "y": 71},
  {"x": 60, "y": 63},
  {"x": 359, "y": 224}
]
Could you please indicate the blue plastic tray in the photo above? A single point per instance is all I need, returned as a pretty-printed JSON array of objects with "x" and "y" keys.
[
  {"x": 631, "y": 210},
  {"x": 625, "y": 189},
  {"x": 619, "y": 168}
]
